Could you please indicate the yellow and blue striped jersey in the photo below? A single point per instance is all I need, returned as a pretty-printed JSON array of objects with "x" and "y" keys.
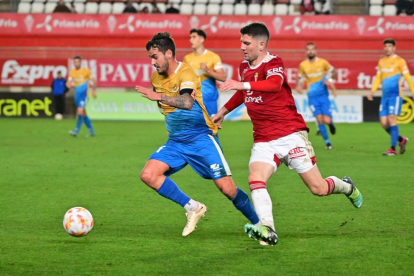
[
  {"x": 80, "y": 78},
  {"x": 213, "y": 62},
  {"x": 315, "y": 74},
  {"x": 390, "y": 72},
  {"x": 183, "y": 124}
]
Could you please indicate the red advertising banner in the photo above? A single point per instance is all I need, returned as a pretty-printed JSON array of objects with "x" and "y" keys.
[
  {"x": 30, "y": 72},
  {"x": 347, "y": 27},
  {"x": 128, "y": 73}
]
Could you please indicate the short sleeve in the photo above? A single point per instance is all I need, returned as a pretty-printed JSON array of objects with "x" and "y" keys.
[
  {"x": 301, "y": 70},
  {"x": 327, "y": 66},
  {"x": 189, "y": 80},
  {"x": 403, "y": 67},
  {"x": 217, "y": 62}
]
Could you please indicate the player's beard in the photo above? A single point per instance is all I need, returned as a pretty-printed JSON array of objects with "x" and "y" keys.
[
  {"x": 310, "y": 57},
  {"x": 163, "y": 69}
]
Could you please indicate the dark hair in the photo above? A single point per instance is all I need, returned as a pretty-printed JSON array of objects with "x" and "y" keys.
[
  {"x": 256, "y": 29},
  {"x": 390, "y": 41},
  {"x": 77, "y": 57},
  {"x": 59, "y": 72},
  {"x": 199, "y": 32},
  {"x": 310, "y": 44},
  {"x": 163, "y": 42}
]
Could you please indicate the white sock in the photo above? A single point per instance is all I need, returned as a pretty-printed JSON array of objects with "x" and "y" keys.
[
  {"x": 341, "y": 187},
  {"x": 191, "y": 206},
  {"x": 263, "y": 205}
]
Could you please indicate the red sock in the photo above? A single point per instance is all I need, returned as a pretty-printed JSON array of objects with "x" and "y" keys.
[
  {"x": 331, "y": 185},
  {"x": 255, "y": 185}
]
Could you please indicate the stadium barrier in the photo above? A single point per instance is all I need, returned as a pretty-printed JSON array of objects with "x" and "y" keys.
[{"x": 371, "y": 110}]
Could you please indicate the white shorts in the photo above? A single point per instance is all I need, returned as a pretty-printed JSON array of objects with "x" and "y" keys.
[{"x": 294, "y": 150}]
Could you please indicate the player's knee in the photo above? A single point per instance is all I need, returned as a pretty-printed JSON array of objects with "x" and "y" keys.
[
  {"x": 147, "y": 176},
  {"x": 228, "y": 188}
]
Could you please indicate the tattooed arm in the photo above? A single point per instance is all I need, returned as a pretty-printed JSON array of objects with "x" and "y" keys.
[{"x": 183, "y": 101}]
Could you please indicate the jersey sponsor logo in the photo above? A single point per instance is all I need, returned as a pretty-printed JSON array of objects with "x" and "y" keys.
[
  {"x": 387, "y": 70},
  {"x": 257, "y": 100},
  {"x": 14, "y": 73},
  {"x": 275, "y": 71}
]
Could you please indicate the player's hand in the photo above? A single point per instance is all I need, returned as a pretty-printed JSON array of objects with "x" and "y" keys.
[
  {"x": 231, "y": 85},
  {"x": 299, "y": 89},
  {"x": 203, "y": 66},
  {"x": 217, "y": 119},
  {"x": 94, "y": 93},
  {"x": 148, "y": 93},
  {"x": 370, "y": 96}
]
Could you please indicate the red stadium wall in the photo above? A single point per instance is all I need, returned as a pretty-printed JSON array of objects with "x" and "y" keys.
[{"x": 353, "y": 43}]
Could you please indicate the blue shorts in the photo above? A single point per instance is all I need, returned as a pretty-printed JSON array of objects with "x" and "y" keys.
[
  {"x": 203, "y": 154},
  {"x": 211, "y": 107},
  {"x": 81, "y": 101},
  {"x": 320, "y": 105},
  {"x": 390, "y": 106},
  {"x": 81, "y": 95}
]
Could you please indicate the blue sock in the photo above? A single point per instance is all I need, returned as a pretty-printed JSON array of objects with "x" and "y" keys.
[
  {"x": 171, "y": 191},
  {"x": 79, "y": 123},
  {"x": 394, "y": 135},
  {"x": 244, "y": 205},
  {"x": 88, "y": 123},
  {"x": 324, "y": 133}
]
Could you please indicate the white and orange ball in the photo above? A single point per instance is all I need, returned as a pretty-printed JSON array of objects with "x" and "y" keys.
[{"x": 78, "y": 222}]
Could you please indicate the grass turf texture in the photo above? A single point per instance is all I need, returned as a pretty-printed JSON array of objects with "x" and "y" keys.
[{"x": 44, "y": 172}]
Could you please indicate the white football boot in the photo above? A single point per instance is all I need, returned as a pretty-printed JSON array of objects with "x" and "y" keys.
[{"x": 193, "y": 218}]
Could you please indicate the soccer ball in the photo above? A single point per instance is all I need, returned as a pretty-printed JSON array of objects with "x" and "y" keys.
[
  {"x": 58, "y": 116},
  {"x": 78, "y": 222}
]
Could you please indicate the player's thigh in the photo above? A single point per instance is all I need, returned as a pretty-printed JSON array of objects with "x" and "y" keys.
[
  {"x": 153, "y": 173},
  {"x": 325, "y": 106},
  {"x": 205, "y": 156},
  {"x": 169, "y": 154},
  {"x": 383, "y": 108},
  {"x": 263, "y": 161},
  {"x": 296, "y": 151}
]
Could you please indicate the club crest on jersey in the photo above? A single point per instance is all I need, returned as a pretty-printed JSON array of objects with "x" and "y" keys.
[
  {"x": 175, "y": 88},
  {"x": 256, "y": 76}
]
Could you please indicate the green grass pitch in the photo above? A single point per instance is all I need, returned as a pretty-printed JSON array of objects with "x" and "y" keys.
[{"x": 44, "y": 172}]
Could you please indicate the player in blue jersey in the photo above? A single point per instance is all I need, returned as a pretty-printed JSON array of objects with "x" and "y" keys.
[
  {"x": 391, "y": 69},
  {"x": 319, "y": 76},
  {"x": 80, "y": 78},
  {"x": 192, "y": 135},
  {"x": 208, "y": 66}
]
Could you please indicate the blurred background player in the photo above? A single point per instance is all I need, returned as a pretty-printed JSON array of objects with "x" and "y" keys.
[
  {"x": 390, "y": 70},
  {"x": 208, "y": 66},
  {"x": 79, "y": 78},
  {"x": 58, "y": 91},
  {"x": 192, "y": 135},
  {"x": 280, "y": 134},
  {"x": 319, "y": 76}
]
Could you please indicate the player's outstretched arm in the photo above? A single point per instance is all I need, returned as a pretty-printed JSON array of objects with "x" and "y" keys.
[
  {"x": 94, "y": 85},
  {"x": 69, "y": 83},
  {"x": 182, "y": 101},
  {"x": 272, "y": 84}
]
